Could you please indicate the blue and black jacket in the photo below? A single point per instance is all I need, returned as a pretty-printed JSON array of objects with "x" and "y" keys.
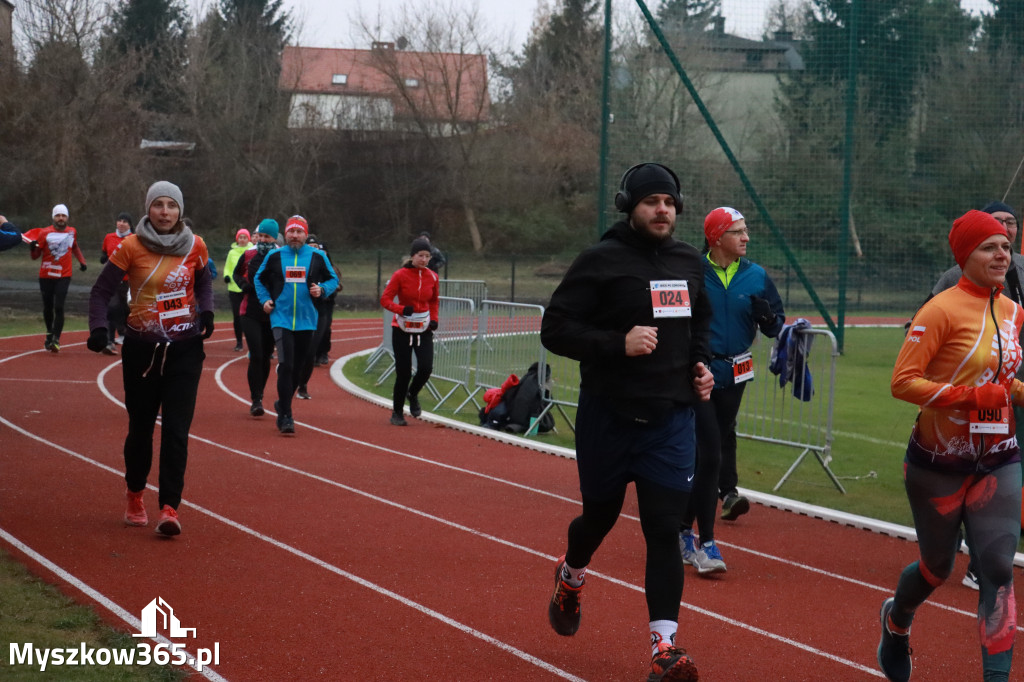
[
  {"x": 733, "y": 327},
  {"x": 294, "y": 308}
]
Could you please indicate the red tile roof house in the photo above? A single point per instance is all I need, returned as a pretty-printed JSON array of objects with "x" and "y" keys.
[{"x": 384, "y": 89}]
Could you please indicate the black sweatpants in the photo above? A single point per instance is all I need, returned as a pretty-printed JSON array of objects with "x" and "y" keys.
[
  {"x": 404, "y": 345},
  {"x": 160, "y": 379},
  {"x": 54, "y": 292},
  {"x": 292, "y": 348}
]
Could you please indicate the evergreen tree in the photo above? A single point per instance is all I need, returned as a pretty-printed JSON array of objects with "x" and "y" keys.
[
  {"x": 676, "y": 15},
  {"x": 149, "y": 36}
]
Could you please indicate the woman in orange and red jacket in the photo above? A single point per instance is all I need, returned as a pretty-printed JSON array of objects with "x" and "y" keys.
[
  {"x": 412, "y": 295},
  {"x": 962, "y": 465}
]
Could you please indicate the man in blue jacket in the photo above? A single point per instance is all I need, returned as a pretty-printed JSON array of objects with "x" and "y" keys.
[
  {"x": 744, "y": 300},
  {"x": 286, "y": 284}
]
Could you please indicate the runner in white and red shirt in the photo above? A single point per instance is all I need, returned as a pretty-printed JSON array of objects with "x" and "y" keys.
[{"x": 55, "y": 244}]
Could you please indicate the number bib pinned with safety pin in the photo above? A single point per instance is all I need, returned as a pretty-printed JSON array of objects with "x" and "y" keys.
[
  {"x": 994, "y": 421},
  {"x": 742, "y": 367},
  {"x": 295, "y": 274},
  {"x": 670, "y": 298}
]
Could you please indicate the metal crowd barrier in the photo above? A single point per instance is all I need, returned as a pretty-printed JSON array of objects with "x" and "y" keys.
[
  {"x": 476, "y": 290},
  {"x": 384, "y": 349},
  {"x": 508, "y": 342},
  {"x": 453, "y": 345},
  {"x": 473, "y": 289},
  {"x": 563, "y": 386},
  {"x": 773, "y": 414}
]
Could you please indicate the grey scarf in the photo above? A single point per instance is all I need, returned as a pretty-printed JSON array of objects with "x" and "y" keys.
[{"x": 175, "y": 243}]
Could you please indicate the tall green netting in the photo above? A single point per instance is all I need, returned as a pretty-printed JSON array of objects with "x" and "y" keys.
[{"x": 850, "y": 133}]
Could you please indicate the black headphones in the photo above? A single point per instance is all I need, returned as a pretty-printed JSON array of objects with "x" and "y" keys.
[{"x": 623, "y": 200}]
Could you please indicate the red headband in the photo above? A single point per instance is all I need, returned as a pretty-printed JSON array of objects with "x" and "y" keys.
[
  {"x": 970, "y": 230},
  {"x": 297, "y": 221}
]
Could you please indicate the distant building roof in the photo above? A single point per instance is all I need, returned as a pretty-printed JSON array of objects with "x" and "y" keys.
[{"x": 439, "y": 86}]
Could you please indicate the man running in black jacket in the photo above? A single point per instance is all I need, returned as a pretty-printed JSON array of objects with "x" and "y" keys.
[{"x": 632, "y": 309}]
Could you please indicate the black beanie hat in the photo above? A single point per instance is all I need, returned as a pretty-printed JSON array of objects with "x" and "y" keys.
[
  {"x": 644, "y": 180},
  {"x": 996, "y": 206},
  {"x": 127, "y": 217},
  {"x": 419, "y": 244}
]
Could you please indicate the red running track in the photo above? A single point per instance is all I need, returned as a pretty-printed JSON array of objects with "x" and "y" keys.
[{"x": 355, "y": 550}]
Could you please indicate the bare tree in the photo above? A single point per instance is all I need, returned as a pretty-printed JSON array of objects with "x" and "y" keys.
[{"x": 437, "y": 69}]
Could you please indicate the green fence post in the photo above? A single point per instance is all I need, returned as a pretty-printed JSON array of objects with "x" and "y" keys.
[{"x": 602, "y": 219}]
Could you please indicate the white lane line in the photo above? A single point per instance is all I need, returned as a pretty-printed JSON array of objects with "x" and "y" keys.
[
  {"x": 502, "y": 541},
  {"x": 466, "y": 629},
  {"x": 100, "y": 598}
]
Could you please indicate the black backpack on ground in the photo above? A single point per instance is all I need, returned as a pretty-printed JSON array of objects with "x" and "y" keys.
[{"x": 526, "y": 401}]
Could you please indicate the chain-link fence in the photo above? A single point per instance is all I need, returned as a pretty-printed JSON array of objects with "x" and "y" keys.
[{"x": 849, "y": 133}]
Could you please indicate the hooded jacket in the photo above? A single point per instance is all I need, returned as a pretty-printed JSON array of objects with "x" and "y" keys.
[
  {"x": 606, "y": 292},
  {"x": 234, "y": 253}
]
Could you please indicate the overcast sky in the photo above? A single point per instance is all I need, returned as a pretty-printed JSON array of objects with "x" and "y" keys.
[{"x": 327, "y": 23}]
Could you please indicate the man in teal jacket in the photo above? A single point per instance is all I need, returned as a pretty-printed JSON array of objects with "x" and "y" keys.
[
  {"x": 286, "y": 284},
  {"x": 744, "y": 300}
]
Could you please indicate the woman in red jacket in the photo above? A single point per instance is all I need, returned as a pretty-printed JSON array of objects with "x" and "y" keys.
[{"x": 412, "y": 295}]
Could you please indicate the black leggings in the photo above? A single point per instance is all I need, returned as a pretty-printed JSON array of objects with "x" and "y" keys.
[
  {"x": 660, "y": 514},
  {"x": 988, "y": 505},
  {"x": 236, "y": 298},
  {"x": 323, "y": 326},
  {"x": 404, "y": 346},
  {"x": 260, "y": 340},
  {"x": 54, "y": 292},
  {"x": 716, "y": 457}
]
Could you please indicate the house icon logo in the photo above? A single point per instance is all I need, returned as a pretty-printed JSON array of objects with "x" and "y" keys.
[{"x": 170, "y": 622}]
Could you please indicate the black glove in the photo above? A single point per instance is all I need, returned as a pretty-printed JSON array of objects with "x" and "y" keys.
[
  {"x": 407, "y": 311},
  {"x": 433, "y": 325},
  {"x": 761, "y": 310},
  {"x": 82, "y": 267},
  {"x": 97, "y": 340},
  {"x": 227, "y": 279},
  {"x": 103, "y": 258},
  {"x": 33, "y": 244},
  {"x": 206, "y": 323}
]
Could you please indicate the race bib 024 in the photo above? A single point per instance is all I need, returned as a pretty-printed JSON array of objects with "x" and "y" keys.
[{"x": 670, "y": 298}]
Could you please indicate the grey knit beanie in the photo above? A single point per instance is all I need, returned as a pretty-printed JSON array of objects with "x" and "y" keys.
[{"x": 163, "y": 188}]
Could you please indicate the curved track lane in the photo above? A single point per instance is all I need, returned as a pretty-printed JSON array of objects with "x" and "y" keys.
[{"x": 359, "y": 551}]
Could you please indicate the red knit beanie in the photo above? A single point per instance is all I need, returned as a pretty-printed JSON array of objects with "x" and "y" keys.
[
  {"x": 718, "y": 221},
  {"x": 970, "y": 230}
]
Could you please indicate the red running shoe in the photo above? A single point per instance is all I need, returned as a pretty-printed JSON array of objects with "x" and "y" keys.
[
  {"x": 135, "y": 511},
  {"x": 168, "y": 524},
  {"x": 672, "y": 664},
  {"x": 564, "y": 607}
]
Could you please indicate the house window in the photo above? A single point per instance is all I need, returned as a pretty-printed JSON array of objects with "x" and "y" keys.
[
  {"x": 754, "y": 58},
  {"x": 339, "y": 79},
  {"x": 412, "y": 82}
]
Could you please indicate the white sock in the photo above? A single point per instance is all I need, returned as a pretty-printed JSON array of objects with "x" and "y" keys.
[
  {"x": 662, "y": 631},
  {"x": 573, "y": 576}
]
